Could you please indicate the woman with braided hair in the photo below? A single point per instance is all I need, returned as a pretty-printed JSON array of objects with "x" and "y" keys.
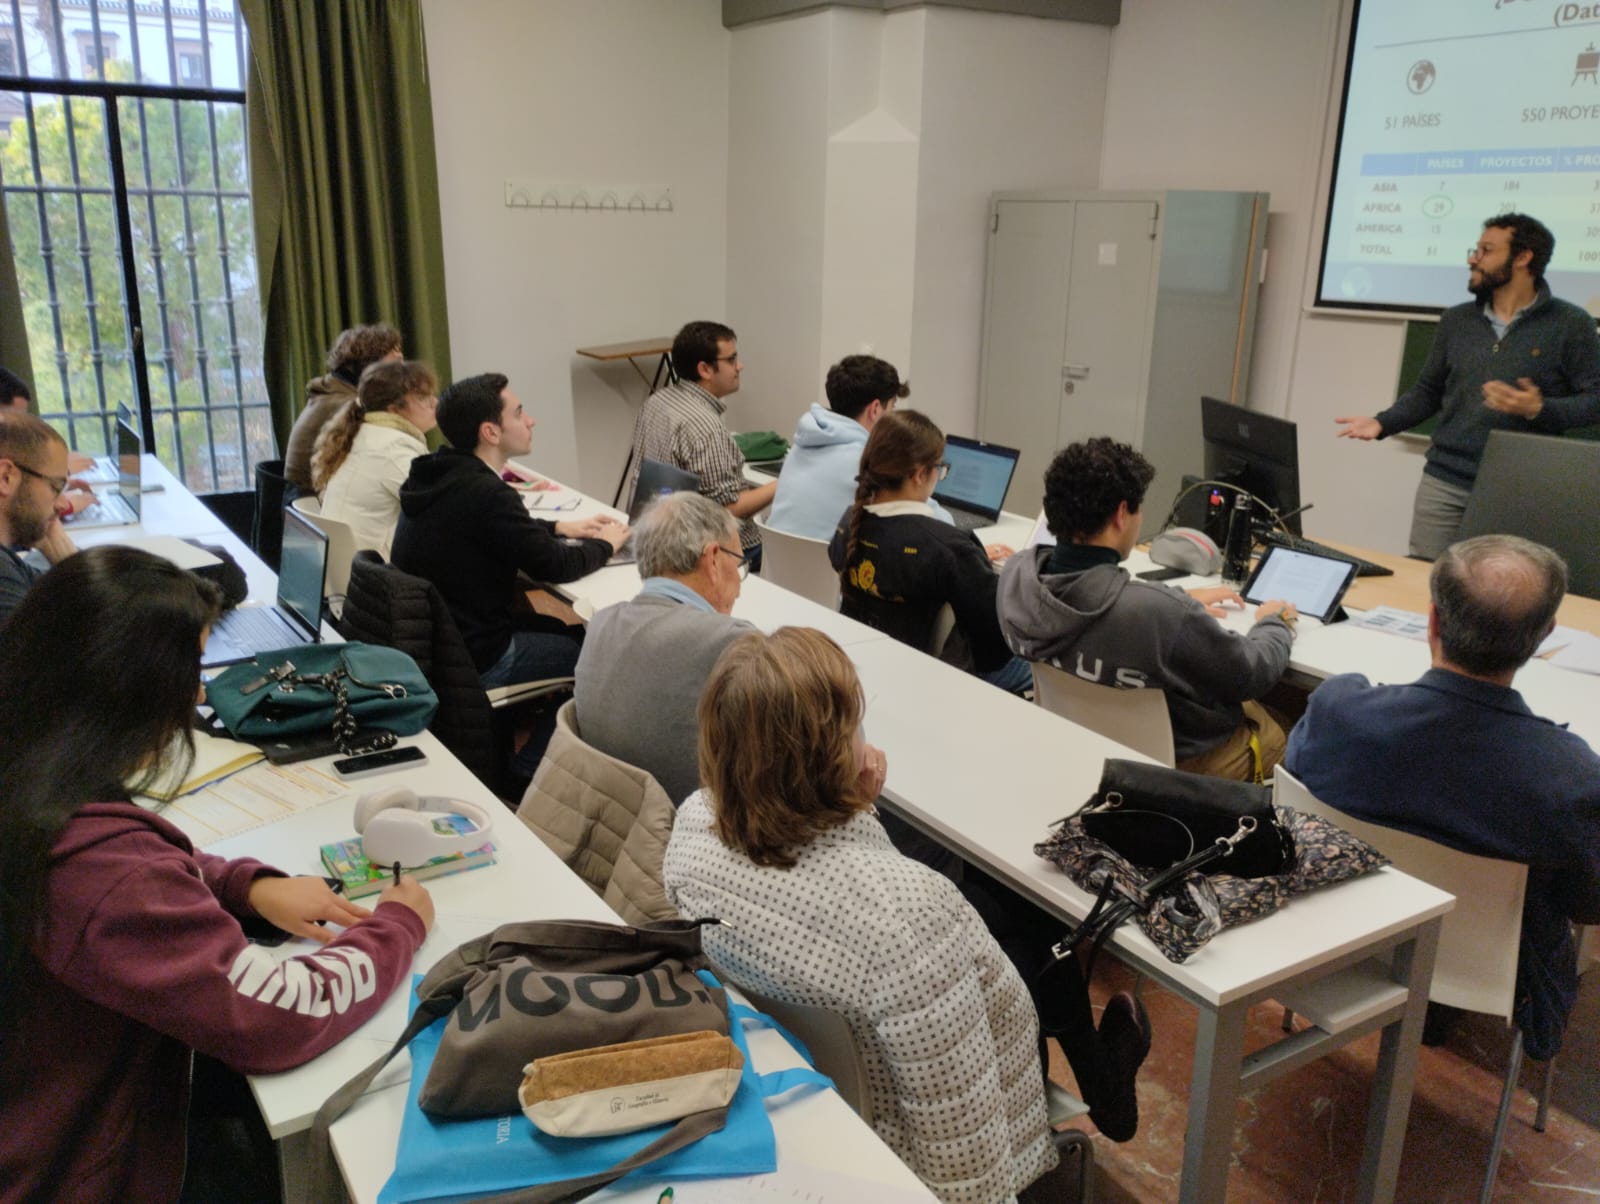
[{"x": 899, "y": 565}]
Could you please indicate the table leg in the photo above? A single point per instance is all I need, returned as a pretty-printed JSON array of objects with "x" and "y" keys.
[
  {"x": 1396, "y": 1071},
  {"x": 1213, "y": 1100}
]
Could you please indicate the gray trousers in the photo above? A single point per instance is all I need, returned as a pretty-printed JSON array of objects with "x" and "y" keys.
[{"x": 1436, "y": 516}]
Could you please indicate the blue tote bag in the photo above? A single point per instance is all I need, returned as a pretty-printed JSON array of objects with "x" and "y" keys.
[{"x": 447, "y": 1160}]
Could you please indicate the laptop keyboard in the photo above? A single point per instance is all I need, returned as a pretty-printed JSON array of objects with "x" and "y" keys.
[
  {"x": 254, "y": 627},
  {"x": 966, "y": 520}
]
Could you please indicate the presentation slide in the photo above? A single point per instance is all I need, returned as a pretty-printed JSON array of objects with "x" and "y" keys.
[{"x": 1455, "y": 110}]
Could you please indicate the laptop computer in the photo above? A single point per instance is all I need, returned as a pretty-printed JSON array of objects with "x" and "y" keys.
[
  {"x": 297, "y": 618},
  {"x": 106, "y": 470},
  {"x": 980, "y": 476},
  {"x": 119, "y": 508},
  {"x": 655, "y": 480}
]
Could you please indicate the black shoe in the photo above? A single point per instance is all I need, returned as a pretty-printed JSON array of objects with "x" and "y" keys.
[{"x": 1124, "y": 1041}]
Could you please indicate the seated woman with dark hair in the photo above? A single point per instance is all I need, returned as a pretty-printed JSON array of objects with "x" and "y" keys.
[
  {"x": 900, "y": 565},
  {"x": 121, "y": 951},
  {"x": 818, "y": 908},
  {"x": 364, "y": 454}
]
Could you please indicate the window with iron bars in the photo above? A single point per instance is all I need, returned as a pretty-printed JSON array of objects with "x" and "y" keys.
[{"x": 123, "y": 173}]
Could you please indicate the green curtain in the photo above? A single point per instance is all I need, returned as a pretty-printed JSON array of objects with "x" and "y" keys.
[
  {"x": 14, "y": 351},
  {"x": 344, "y": 184}
]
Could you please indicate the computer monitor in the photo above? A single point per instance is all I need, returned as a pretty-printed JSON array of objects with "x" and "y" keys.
[
  {"x": 1544, "y": 488},
  {"x": 1255, "y": 452}
]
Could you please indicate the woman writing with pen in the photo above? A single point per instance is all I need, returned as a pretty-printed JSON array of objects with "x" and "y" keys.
[{"x": 121, "y": 951}]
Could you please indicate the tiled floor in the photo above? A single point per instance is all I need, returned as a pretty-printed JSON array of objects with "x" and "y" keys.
[{"x": 1300, "y": 1137}]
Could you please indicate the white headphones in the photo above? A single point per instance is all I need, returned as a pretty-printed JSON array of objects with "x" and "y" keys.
[{"x": 396, "y": 825}]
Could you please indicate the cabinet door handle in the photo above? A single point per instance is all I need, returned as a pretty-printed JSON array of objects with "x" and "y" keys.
[{"x": 1074, "y": 371}]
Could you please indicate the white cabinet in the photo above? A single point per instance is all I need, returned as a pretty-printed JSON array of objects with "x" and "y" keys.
[{"x": 1112, "y": 314}]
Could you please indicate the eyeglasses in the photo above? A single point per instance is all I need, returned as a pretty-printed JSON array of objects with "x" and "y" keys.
[
  {"x": 944, "y": 469},
  {"x": 1478, "y": 252},
  {"x": 57, "y": 484},
  {"x": 740, "y": 557},
  {"x": 728, "y": 359}
]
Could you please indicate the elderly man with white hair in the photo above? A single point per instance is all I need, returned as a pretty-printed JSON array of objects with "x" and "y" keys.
[{"x": 645, "y": 661}]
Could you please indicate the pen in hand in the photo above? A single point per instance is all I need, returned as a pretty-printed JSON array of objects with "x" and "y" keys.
[{"x": 397, "y": 873}]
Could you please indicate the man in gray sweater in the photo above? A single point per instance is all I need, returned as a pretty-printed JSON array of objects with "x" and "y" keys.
[
  {"x": 1514, "y": 358},
  {"x": 1075, "y": 606},
  {"x": 645, "y": 662}
]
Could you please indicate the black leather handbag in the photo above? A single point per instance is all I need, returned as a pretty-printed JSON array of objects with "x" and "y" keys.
[{"x": 1157, "y": 817}]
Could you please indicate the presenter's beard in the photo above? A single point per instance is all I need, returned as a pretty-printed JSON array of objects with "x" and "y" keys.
[{"x": 1486, "y": 282}]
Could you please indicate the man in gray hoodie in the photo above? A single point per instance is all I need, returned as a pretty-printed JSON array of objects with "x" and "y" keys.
[{"x": 1075, "y": 606}]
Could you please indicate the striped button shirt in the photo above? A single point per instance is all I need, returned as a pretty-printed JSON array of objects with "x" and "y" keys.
[{"x": 682, "y": 425}]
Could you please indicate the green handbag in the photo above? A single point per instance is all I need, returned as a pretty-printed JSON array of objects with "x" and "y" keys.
[{"x": 313, "y": 688}]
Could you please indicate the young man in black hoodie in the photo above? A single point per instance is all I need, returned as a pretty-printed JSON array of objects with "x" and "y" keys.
[{"x": 464, "y": 529}]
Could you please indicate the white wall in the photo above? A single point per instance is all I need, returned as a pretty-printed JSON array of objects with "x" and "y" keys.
[
  {"x": 1235, "y": 94},
  {"x": 863, "y": 148},
  {"x": 1008, "y": 103},
  {"x": 586, "y": 91}
]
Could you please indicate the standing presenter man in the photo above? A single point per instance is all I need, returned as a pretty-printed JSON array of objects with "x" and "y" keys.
[{"x": 1514, "y": 358}]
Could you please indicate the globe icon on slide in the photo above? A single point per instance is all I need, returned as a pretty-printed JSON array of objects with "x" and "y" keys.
[{"x": 1421, "y": 76}]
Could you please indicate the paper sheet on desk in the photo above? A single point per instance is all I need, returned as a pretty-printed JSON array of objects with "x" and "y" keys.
[
  {"x": 1581, "y": 653},
  {"x": 1393, "y": 621},
  {"x": 252, "y": 798}
]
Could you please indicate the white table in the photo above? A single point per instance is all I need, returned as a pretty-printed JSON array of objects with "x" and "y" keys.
[{"x": 986, "y": 774}]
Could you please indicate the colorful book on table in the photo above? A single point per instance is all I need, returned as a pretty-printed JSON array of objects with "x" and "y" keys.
[{"x": 347, "y": 861}]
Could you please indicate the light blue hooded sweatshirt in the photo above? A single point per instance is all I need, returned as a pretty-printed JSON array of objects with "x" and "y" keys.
[{"x": 818, "y": 482}]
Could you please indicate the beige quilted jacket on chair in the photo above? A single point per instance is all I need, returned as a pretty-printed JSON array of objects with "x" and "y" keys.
[{"x": 608, "y": 820}]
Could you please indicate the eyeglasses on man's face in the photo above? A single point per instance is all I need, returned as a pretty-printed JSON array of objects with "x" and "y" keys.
[
  {"x": 57, "y": 484},
  {"x": 740, "y": 557},
  {"x": 942, "y": 469}
]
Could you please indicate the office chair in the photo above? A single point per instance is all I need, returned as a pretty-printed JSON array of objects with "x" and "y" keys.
[
  {"x": 1475, "y": 968},
  {"x": 341, "y": 550},
  {"x": 1544, "y": 488},
  {"x": 266, "y": 525},
  {"x": 799, "y": 564},
  {"x": 1137, "y": 718}
]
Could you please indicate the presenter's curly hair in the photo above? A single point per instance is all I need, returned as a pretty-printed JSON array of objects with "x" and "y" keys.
[
  {"x": 778, "y": 722},
  {"x": 1087, "y": 481},
  {"x": 1527, "y": 234},
  {"x": 902, "y": 442},
  {"x": 101, "y": 664}
]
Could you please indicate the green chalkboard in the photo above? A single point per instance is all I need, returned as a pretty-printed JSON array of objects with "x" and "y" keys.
[{"x": 1419, "y": 340}]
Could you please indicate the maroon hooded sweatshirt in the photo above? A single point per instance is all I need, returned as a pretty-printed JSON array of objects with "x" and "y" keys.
[{"x": 142, "y": 960}]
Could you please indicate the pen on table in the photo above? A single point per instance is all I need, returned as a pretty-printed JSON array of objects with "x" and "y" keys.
[{"x": 397, "y": 873}]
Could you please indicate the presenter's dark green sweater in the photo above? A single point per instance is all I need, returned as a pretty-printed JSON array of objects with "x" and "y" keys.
[{"x": 1553, "y": 343}]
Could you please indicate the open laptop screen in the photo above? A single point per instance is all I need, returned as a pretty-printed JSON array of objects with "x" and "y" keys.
[
  {"x": 301, "y": 569},
  {"x": 980, "y": 475},
  {"x": 130, "y": 462}
]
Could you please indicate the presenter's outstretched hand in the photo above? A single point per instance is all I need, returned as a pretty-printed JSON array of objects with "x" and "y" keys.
[
  {"x": 1522, "y": 399},
  {"x": 1359, "y": 428},
  {"x": 411, "y": 893},
  {"x": 1212, "y": 598},
  {"x": 297, "y": 904}
]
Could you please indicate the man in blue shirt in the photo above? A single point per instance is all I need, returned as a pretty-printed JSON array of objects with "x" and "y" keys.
[{"x": 1457, "y": 757}]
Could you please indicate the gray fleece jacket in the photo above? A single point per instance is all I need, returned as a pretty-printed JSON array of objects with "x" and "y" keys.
[{"x": 1107, "y": 627}]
